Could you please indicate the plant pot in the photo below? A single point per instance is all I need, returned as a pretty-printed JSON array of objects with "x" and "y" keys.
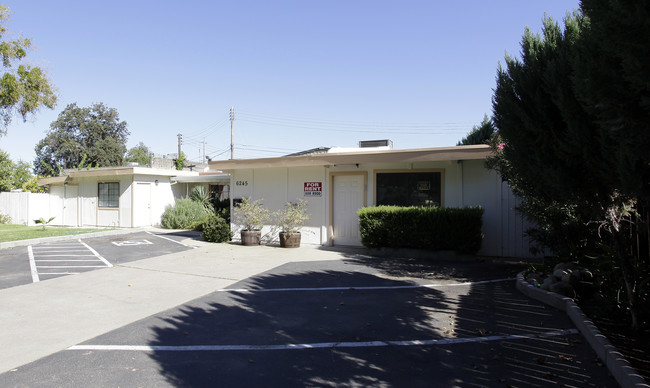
[
  {"x": 251, "y": 237},
  {"x": 290, "y": 240}
]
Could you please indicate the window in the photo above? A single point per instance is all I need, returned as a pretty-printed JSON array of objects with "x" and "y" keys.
[
  {"x": 409, "y": 188},
  {"x": 109, "y": 194}
]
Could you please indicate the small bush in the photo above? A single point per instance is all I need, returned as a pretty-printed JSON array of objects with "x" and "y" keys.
[
  {"x": 185, "y": 214},
  {"x": 4, "y": 219},
  {"x": 216, "y": 229},
  {"x": 431, "y": 228}
]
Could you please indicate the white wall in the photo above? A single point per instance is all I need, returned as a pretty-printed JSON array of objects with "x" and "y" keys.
[
  {"x": 163, "y": 194},
  {"x": 24, "y": 207},
  {"x": 277, "y": 186}
]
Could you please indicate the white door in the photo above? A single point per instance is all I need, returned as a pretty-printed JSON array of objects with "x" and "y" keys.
[
  {"x": 348, "y": 197},
  {"x": 57, "y": 196},
  {"x": 71, "y": 206},
  {"x": 142, "y": 204}
]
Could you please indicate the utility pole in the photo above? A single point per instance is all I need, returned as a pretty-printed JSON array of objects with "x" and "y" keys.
[
  {"x": 204, "y": 158},
  {"x": 180, "y": 141},
  {"x": 232, "y": 144}
]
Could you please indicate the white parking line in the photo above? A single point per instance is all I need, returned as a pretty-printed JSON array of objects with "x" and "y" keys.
[
  {"x": 60, "y": 273},
  {"x": 32, "y": 264},
  {"x": 71, "y": 256},
  {"x": 71, "y": 266},
  {"x": 62, "y": 260},
  {"x": 96, "y": 254},
  {"x": 172, "y": 240},
  {"x": 39, "y": 255},
  {"x": 322, "y": 345}
]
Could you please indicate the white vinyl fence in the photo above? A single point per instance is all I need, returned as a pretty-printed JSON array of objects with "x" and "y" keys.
[{"x": 24, "y": 207}]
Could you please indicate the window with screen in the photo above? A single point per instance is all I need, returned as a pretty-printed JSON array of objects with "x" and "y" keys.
[
  {"x": 109, "y": 194},
  {"x": 409, "y": 188}
]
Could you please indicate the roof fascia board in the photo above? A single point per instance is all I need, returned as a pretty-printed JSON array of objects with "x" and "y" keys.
[{"x": 473, "y": 152}]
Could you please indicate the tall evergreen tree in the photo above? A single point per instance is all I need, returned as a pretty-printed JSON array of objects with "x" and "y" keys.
[
  {"x": 573, "y": 136},
  {"x": 480, "y": 134}
]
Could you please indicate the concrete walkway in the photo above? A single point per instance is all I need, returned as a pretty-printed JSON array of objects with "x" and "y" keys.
[{"x": 42, "y": 318}]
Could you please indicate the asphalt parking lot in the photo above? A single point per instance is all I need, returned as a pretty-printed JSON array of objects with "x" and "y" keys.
[
  {"x": 350, "y": 321},
  {"x": 39, "y": 262}
]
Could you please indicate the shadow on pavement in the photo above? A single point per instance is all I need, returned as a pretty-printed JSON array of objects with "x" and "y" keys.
[{"x": 335, "y": 321}]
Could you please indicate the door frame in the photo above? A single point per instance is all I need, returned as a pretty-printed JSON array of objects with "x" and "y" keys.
[
  {"x": 134, "y": 200},
  {"x": 74, "y": 200},
  {"x": 330, "y": 228}
]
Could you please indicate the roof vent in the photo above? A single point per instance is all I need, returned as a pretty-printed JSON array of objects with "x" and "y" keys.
[{"x": 376, "y": 143}]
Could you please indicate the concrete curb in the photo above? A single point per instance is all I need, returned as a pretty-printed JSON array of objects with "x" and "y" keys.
[
  {"x": 21, "y": 243},
  {"x": 618, "y": 366}
]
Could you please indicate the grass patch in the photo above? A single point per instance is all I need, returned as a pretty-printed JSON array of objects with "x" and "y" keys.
[{"x": 22, "y": 232}]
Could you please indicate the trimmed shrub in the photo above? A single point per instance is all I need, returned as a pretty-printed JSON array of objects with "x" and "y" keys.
[
  {"x": 431, "y": 228},
  {"x": 185, "y": 214},
  {"x": 216, "y": 229}
]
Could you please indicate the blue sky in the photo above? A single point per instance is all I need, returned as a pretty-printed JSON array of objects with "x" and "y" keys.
[{"x": 299, "y": 74}]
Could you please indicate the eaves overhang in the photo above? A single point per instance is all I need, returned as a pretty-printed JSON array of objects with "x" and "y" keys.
[
  {"x": 471, "y": 152},
  {"x": 109, "y": 172}
]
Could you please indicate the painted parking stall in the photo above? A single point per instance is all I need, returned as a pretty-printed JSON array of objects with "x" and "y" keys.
[
  {"x": 64, "y": 258},
  {"x": 298, "y": 325},
  {"x": 38, "y": 262}
]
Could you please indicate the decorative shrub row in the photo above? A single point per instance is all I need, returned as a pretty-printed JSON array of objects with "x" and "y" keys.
[{"x": 432, "y": 228}]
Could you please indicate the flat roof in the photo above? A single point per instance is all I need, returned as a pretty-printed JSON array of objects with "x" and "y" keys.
[
  {"x": 114, "y": 171},
  {"x": 470, "y": 152},
  {"x": 202, "y": 178}
]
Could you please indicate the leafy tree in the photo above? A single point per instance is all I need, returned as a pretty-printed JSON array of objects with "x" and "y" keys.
[
  {"x": 23, "y": 89},
  {"x": 180, "y": 161},
  {"x": 17, "y": 175},
  {"x": 22, "y": 173},
  {"x": 94, "y": 134},
  {"x": 32, "y": 186},
  {"x": 6, "y": 171},
  {"x": 480, "y": 134},
  {"x": 568, "y": 142},
  {"x": 139, "y": 154}
]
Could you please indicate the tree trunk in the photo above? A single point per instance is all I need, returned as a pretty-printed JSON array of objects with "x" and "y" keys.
[{"x": 629, "y": 276}]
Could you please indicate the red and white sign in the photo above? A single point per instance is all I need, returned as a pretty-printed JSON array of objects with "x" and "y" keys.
[{"x": 313, "y": 189}]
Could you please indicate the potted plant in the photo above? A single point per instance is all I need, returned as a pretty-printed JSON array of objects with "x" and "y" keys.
[
  {"x": 291, "y": 219},
  {"x": 252, "y": 216}
]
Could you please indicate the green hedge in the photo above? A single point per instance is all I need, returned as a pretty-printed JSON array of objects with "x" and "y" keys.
[{"x": 432, "y": 228}]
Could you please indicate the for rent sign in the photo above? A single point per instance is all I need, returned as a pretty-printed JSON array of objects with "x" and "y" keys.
[{"x": 313, "y": 189}]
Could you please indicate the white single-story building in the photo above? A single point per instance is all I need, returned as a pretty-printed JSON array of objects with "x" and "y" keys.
[
  {"x": 337, "y": 182},
  {"x": 123, "y": 196}
]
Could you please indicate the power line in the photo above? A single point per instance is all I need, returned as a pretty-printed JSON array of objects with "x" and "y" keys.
[
  {"x": 208, "y": 130},
  {"x": 261, "y": 117}
]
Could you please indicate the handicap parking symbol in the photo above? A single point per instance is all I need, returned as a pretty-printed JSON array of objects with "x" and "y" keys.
[{"x": 130, "y": 243}]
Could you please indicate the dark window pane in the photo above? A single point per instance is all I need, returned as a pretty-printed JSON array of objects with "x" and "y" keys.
[
  {"x": 109, "y": 194},
  {"x": 409, "y": 188}
]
